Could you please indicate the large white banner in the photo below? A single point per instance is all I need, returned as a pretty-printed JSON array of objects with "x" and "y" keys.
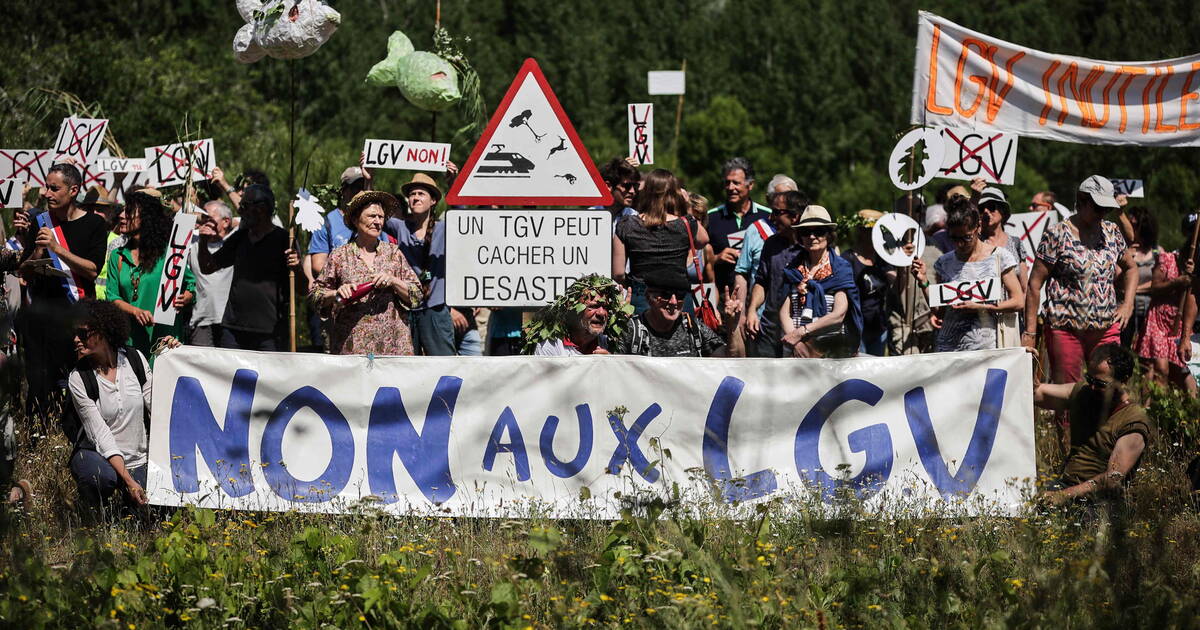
[
  {"x": 523, "y": 258},
  {"x": 582, "y": 437},
  {"x": 963, "y": 78}
]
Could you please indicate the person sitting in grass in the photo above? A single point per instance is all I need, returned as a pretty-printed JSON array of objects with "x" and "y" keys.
[
  {"x": 1109, "y": 432},
  {"x": 110, "y": 390},
  {"x": 580, "y": 321}
]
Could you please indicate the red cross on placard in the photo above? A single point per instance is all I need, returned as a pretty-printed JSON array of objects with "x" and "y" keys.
[{"x": 971, "y": 153}]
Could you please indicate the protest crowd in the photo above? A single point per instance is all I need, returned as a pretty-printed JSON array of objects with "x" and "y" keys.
[{"x": 1100, "y": 300}]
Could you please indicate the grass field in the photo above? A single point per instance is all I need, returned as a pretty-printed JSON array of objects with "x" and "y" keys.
[{"x": 1127, "y": 561}]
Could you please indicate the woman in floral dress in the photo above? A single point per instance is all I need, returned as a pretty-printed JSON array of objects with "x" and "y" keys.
[
  {"x": 1160, "y": 345},
  {"x": 367, "y": 287}
]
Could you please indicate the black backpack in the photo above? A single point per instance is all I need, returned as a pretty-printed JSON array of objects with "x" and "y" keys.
[
  {"x": 640, "y": 336},
  {"x": 72, "y": 426}
]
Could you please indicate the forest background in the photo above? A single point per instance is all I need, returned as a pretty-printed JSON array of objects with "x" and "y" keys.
[{"x": 819, "y": 90}]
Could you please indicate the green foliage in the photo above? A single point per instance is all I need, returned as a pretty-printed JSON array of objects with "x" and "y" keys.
[
  {"x": 817, "y": 91},
  {"x": 553, "y": 321}
]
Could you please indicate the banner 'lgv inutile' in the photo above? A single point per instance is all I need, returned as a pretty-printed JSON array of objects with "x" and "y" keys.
[{"x": 967, "y": 79}]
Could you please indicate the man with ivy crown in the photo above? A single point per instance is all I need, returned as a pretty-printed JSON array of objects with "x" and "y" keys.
[{"x": 580, "y": 321}]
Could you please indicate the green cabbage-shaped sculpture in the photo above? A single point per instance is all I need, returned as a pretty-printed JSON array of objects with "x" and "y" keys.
[{"x": 425, "y": 79}]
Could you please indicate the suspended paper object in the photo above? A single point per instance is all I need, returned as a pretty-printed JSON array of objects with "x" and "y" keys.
[
  {"x": 310, "y": 216},
  {"x": 425, "y": 79},
  {"x": 283, "y": 29},
  {"x": 386, "y": 73}
]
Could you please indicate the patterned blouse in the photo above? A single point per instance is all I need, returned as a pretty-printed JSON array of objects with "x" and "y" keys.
[
  {"x": 1080, "y": 291},
  {"x": 378, "y": 322}
]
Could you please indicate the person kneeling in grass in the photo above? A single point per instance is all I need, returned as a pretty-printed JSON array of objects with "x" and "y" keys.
[
  {"x": 1109, "y": 432},
  {"x": 110, "y": 391}
]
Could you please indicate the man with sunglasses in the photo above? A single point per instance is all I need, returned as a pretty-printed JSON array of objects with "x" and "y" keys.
[
  {"x": 1109, "y": 432},
  {"x": 786, "y": 206},
  {"x": 666, "y": 331},
  {"x": 260, "y": 254}
]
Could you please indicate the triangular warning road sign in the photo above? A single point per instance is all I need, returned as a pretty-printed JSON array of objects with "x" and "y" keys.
[{"x": 529, "y": 155}]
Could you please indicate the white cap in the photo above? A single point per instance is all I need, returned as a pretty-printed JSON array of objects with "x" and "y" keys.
[{"x": 1101, "y": 190}]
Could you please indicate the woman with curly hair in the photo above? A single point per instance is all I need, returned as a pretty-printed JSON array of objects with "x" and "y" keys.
[
  {"x": 110, "y": 451},
  {"x": 135, "y": 269}
]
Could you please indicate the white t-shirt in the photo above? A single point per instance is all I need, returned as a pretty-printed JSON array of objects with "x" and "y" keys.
[
  {"x": 115, "y": 424},
  {"x": 555, "y": 348},
  {"x": 212, "y": 289}
]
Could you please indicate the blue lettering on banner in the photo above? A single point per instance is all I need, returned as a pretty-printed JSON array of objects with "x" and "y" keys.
[
  {"x": 341, "y": 460},
  {"x": 716, "y": 448},
  {"x": 507, "y": 422},
  {"x": 556, "y": 466},
  {"x": 425, "y": 455},
  {"x": 874, "y": 440},
  {"x": 627, "y": 445},
  {"x": 983, "y": 437},
  {"x": 226, "y": 450},
  {"x": 194, "y": 433}
]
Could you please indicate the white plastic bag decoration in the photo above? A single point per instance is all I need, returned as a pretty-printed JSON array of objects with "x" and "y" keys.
[
  {"x": 425, "y": 79},
  {"x": 283, "y": 29}
]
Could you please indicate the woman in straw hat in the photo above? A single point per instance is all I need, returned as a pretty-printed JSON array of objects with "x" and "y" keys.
[
  {"x": 821, "y": 315},
  {"x": 367, "y": 287}
]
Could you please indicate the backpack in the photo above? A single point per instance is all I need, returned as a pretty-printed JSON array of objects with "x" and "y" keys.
[
  {"x": 72, "y": 426},
  {"x": 640, "y": 340}
]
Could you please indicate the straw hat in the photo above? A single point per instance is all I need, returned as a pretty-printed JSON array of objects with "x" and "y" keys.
[
  {"x": 423, "y": 180},
  {"x": 869, "y": 217},
  {"x": 389, "y": 203},
  {"x": 815, "y": 216},
  {"x": 97, "y": 196}
]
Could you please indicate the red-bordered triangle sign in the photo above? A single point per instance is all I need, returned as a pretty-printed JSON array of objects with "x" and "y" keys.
[{"x": 529, "y": 155}]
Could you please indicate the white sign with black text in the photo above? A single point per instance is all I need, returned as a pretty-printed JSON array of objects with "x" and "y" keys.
[
  {"x": 522, "y": 258},
  {"x": 80, "y": 138},
  {"x": 948, "y": 293},
  {"x": 171, "y": 281},
  {"x": 168, "y": 164},
  {"x": 1128, "y": 187},
  {"x": 968, "y": 154},
  {"x": 406, "y": 155},
  {"x": 11, "y": 193},
  {"x": 641, "y": 132},
  {"x": 120, "y": 164}
]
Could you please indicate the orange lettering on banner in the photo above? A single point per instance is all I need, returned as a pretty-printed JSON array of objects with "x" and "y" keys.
[
  {"x": 994, "y": 104},
  {"x": 976, "y": 79},
  {"x": 931, "y": 99},
  {"x": 1071, "y": 73},
  {"x": 1116, "y": 76},
  {"x": 1083, "y": 97},
  {"x": 1187, "y": 95},
  {"x": 1133, "y": 71},
  {"x": 1046, "y": 92},
  {"x": 1159, "y": 127},
  {"x": 1146, "y": 94}
]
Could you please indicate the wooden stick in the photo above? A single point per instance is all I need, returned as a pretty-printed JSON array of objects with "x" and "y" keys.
[
  {"x": 678, "y": 121},
  {"x": 292, "y": 206}
]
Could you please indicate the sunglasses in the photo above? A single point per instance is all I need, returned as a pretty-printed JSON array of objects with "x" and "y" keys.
[
  {"x": 627, "y": 186},
  {"x": 812, "y": 232},
  {"x": 665, "y": 296},
  {"x": 966, "y": 238},
  {"x": 83, "y": 332},
  {"x": 1096, "y": 383}
]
